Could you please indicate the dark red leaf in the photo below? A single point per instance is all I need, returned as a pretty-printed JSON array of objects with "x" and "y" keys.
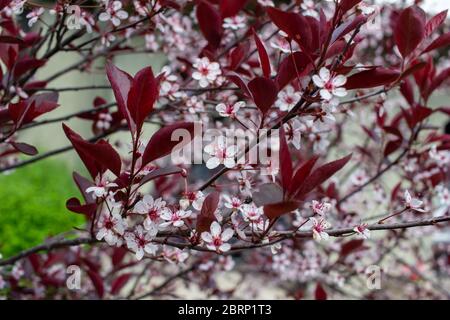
[
  {"x": 419, "y": 114},
  {"x": 97, "y": 281},
  {"x": 300, "y": 175},
  {"x": 409, "y": 30},
  {"x": 97, "y": 156},
  {"x": 10, "y": 39},
  {"x": 230, "y": 8},
  {"x": 321, "y": 174},
  {"x": 74, "y": 205},
  {"x": 320, "y": 293},
  {"x": 210, "y": 23},
  {"x": 161, "y": 143},
  {"x": 82, "y": 184},
  {"x": 118, "y": 255},
  {"x": 438, "y": 81},
  {"x": 295, "y": 25},
  {"x": 4, "y": 3},
  {"x": 392, "y": 146},
  {"x": 276, "y": 210},
  {"x": 121, "y": 84},
  {"x": 264, "y": 92},
  {"x": 161, "y": 172},
  {"x": 26, "y": 64},
  {"x": 407, "y": 91},
  {"x": 435, "y": 22},
  {"x": 142, "y": 96},
  {"x": 27, "y": 110},
  {"x": 285, "y": 162},
  {"x": 119, "y": 282},
  {"x": 347, "y": 27},
  {"x": 289, "y": 66},
  {"x": 441, "y": 41},
  {"x": 412, "y": 69},
  {"x": 372, "y": 78},
  {"x": 350, "y": 247},
  {"x": 346, "y": 5},
  {"x": 263, "y": 56},
  {"x": 206, "y": 216},
  {"x": 394, "y": 131},
  {"x": 238, "y": 55},
  {"x": 237, "y": 80}
]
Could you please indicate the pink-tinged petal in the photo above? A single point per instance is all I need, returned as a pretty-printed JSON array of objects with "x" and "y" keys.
[
  {"x": 178, "y": 223},
  {"x": 227, "y": 234},
  {"x": 325, "y": 94},
  {"x": 407, "y": 197},
  {"x": 101, "y": 234},
  {"x": 238, "y": 105},
  {"x": 165, "y": 224},
  {"x": 415, "y": 203},
  {"x": 231, "y": 151},
  {"x": 316, "y": 235},
  {"x": 166, "y": 215},
  {"x": 225, "y": 247},
  {"x": 185, "y": 214},
  {"x": 212, "y": 163},
  {"x": 324, "y": 236},
  {"x": 103, "y": 16},
  {"x": 318, "y": 81},
  {"x": 221, "y": 108},
  {"x": 139, "y": 254},
  {"x": 216, "y": 229},
  {"x": 206, "y": 236},
  {"x": 340, "y": 92},
  {"x": 151, "y": 249},
  {"x": 324, "y": 73},
  {"x": 210, "y": 148},
  {"x": 122, "y": 14},
  {"x": 229, "y": 163},
  {"x": 339, "y": 80}
]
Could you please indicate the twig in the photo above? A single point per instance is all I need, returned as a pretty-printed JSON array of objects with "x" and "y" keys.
[
  {"x": 282, "y": 235},
  {"x": 48, "y": 247}
]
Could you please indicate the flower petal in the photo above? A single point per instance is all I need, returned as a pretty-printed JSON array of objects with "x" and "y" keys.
[
  {"x": 324, "y": 73},
  {"x": 227, "y": 234},
  {"x": 216, "y": 229}
]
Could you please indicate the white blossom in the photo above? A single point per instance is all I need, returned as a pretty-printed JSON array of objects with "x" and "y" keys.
[
  {"x": 330, "y": 85},
  {"x": 413, "y": 203},
  {"x": 174, "y": 218},
  {"x": 113, "y": 12},
  {"x": 140, "y": 242},
  {"x": 206, "y": 71},
  {"x": 216, "y": 239}
]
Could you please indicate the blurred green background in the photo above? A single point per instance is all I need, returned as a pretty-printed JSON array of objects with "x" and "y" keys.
[
  {"x": 32, "y": 205},
  {"x": 32, "y": 198}
]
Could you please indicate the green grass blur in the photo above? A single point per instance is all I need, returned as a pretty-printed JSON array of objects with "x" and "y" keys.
[{"x": 32, "y": 205}]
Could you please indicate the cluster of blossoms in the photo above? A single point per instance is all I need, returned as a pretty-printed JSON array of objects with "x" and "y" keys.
[{"x": 251, "y": 68}]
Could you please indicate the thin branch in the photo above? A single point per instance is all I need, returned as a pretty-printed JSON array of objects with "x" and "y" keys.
[
  {"x": 282, "y": 235},
  {"x": 67, "y": 117},
  {"x": 47, "y": 247},
  {"x": 51, "y": 153}
]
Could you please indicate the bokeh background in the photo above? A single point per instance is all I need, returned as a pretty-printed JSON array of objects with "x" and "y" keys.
[{"x": 32, "y": 199}]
